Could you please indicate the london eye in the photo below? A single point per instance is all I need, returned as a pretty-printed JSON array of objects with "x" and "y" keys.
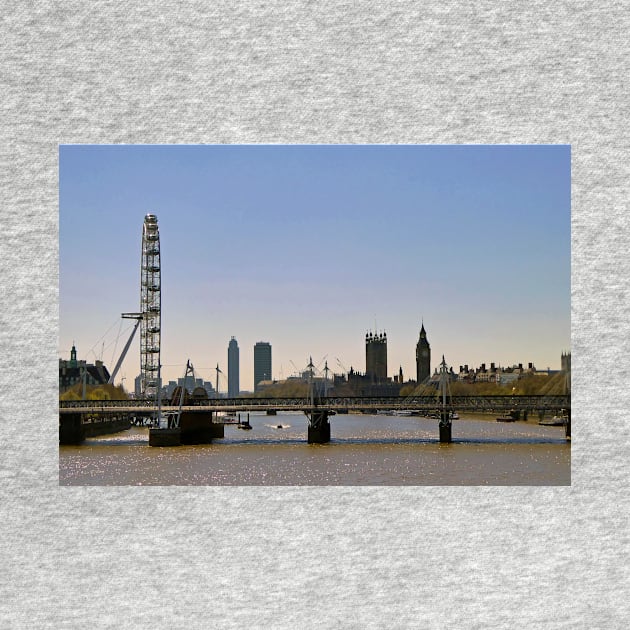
[{"x": 150, "y": 305}]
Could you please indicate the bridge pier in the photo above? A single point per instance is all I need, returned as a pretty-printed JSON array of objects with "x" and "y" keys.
[
  {"x": 445, "y": 427},
  {"x": 318, "y": 427},
  {"x": 194, "y": 428},
  {"x": 165, "y": 437},
  {"x": 74, "y": 428},
  {"x": 198, "y": 428},
  {"x": 71, "y": 428}
]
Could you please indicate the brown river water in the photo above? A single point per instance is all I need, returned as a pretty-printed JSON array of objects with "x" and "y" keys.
[{"x": 370, "y": 450}]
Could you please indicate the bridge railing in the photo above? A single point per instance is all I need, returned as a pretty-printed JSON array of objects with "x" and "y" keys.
[{"x": 460, "y": 403}]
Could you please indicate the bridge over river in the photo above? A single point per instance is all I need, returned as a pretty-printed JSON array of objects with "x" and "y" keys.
[
  {"x": 199, "y": 419},
  {"x": 499, "y": 404}
]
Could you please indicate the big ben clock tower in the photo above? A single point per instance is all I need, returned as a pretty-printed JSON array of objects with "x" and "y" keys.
[{"x": 423, "y": 357}]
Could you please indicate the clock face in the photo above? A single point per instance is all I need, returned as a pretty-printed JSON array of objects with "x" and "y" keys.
[{"x": 425, "y": 353}]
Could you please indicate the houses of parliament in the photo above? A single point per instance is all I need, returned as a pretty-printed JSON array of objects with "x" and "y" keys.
[
  {"x": 376, "y": 382},
  {"x": 376, "y": 358}
]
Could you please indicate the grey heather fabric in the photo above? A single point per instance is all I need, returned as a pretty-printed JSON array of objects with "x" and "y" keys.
[{"x": 342, "y": 72}]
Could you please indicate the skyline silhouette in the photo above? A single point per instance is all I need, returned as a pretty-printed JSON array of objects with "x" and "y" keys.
[{"x": 310, "y": 247}]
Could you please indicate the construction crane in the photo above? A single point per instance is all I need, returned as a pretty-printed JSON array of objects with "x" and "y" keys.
[
  {"x": 320, "y": 361},
  {"x": 341, "y": 365}
]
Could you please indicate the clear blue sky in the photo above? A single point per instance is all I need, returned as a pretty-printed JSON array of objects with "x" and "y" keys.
[{"x": 309, "y": 247}]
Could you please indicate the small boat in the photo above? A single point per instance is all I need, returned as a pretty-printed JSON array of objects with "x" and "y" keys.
[
  {"x": 558, "y": 420},
  {"x": 279, "y": 426},
  {"x": 243, "y": 424},
  {"x": 454, "y": 415},
  {"x": 510, "y": 416},
  {"x": 226, "y": 417}
]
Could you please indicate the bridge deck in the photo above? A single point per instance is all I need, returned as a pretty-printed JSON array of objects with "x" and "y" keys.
[{"x": 413, "y": 403}]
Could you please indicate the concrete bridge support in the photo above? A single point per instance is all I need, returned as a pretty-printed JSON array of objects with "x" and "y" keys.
[
  {"x": 194, "y": 428},
  {"x": 165, "y": 437},
  {"x": 71, "y": 429},
  {"x": 198, "y": 428},
  {"x": 445, "y": 428},
  {"x": 74, "y": 428},
  {"x": 318, "y": 427}
]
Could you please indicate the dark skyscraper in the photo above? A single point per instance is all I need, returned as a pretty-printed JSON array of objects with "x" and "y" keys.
[
  {"x": 233, "y": 369},
  {"x": 376, "y": 357},
  {"x": 262, "y": 363},
  {"x": 423, "y": 357}
]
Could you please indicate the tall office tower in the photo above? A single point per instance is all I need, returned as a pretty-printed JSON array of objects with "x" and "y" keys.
[
  {"x": 137, "y": 386},
  {"x": 262, "y": 363},
  {"x": 233, "y": 370},
  {"x": 423, "y": 357},
  {"x": 376, "y": 357}
]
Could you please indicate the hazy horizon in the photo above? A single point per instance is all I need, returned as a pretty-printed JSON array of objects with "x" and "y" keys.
[{"x": 310, "y": 247}]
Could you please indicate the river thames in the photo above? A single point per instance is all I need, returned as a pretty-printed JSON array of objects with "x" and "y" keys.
[{"x": 369, "y": 450}]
